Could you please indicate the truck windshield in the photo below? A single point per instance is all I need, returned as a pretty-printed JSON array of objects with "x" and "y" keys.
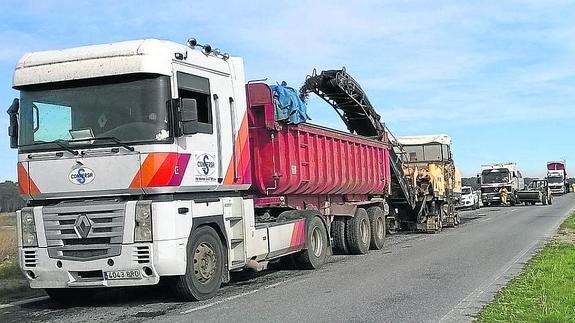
[
  {"x": 495, "y": 176},
  {"x": 466, "y": 191},
  {"x": 130, "y": 108}
]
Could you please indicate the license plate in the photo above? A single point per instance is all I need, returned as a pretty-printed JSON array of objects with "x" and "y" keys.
[{"x": 123, "y": 274}]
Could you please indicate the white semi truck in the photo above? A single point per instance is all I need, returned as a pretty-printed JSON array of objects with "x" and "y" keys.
[
  {"x": 148, "y": 160},
  {"x": 495, "y": 176},
  {"x": 557, "y": 177}
]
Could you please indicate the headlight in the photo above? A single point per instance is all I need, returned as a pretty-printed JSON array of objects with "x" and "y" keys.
[
  {"x": 29, "y": 237},
  {"x": 143, "y": 219}
]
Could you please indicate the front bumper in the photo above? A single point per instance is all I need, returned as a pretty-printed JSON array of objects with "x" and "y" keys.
[
  {"x": 45, "y": 272},
  {"x": 557, "y": 189},
  {"x": 492, "y": 197},
  {"x": 465, "y": 204}
]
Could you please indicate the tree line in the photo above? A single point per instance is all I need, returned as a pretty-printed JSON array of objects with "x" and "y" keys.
[{"x": 10, "y": 199}]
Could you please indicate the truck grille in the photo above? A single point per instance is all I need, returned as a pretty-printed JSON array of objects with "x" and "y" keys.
[
  {"x": 84, "y": 232},
  {"x": 490, "y": 189}
]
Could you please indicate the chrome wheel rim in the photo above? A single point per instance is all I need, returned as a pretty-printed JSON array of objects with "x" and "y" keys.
[
  {"x": 379, "y": 228},
  {"x": 316, "y": 242},
  {"x": 364, "y": 231}
]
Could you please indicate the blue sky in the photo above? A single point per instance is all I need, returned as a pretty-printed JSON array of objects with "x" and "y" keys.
[{"x": 498, "y": 76}]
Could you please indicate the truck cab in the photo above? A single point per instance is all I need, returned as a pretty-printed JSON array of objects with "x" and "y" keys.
[
  {"x": 494, "y": 177},
  {"x": 556, "y": 182}
]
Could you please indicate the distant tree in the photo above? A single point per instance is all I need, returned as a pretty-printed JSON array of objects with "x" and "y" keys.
[
  {"x": 470, "y": 181},
  {"x": 10, "y": 199}
]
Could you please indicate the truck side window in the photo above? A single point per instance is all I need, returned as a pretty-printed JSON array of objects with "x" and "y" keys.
[{"x": 198, "y": 88}]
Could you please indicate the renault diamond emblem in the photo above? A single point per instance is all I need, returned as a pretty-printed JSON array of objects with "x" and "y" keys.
[{"x": 83, "y": 226}]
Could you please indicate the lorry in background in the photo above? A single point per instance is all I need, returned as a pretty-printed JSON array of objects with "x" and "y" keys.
[
  {"x": 470, "y": 198},
  {"x": 495, "y": 176},
  {"x": 148, "y": 160},
  {"x": 557, "y": 177},
  {"x": 431, "y": 170}
]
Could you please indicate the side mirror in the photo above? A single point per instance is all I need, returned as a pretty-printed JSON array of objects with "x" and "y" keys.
[
  {"x": 187, "y": 114},
  {"x": 478, "y": 179},
  {"x": 13, "y": 128}
]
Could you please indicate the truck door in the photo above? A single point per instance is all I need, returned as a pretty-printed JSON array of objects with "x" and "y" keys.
[{"x": 199, "y": 151}]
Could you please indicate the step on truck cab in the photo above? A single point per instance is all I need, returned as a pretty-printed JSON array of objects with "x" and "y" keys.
[{"x": 148, "y": 160}]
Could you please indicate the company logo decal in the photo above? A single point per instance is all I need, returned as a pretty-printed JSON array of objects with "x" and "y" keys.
[
  {"x": 83, "y": 226},
  {"x": 81, "y": 175},
  {"x": 205, "y": 167}
]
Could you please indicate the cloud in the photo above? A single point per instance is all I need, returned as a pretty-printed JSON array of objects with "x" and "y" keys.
[{"x": 453, "y": 62}]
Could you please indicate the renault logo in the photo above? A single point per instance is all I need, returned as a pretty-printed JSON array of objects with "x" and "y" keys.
[{"x": 83, "y": 226}]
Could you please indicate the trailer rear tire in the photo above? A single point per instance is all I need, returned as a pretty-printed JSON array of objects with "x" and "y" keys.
[
  {"x": 204, "y": 267},
  {"x": 338, "y": 235},
  {"x": 315, "y": 254},
  {"x": 377, "y": 225},
  {"x": 358, "y": 233}
]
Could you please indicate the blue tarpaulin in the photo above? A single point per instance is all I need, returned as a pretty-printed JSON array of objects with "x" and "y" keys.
[{"x": 288, "y": 104}]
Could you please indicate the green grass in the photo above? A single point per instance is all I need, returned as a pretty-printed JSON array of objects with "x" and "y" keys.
[
  {"x": 13, "y": 285},
  {"x": 7, "y": 219},
  {"x": 10, "y": 270},
  {"x": 545, "y": 290},
  {"x": 568, "y": 224}
]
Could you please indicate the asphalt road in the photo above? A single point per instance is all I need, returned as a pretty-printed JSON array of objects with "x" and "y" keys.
[{"x": 416, "y": 278}]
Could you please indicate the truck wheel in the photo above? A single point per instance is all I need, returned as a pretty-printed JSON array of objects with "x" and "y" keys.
[
  {"x": 70, "y": 296},
  {"x": 315, "y": 254},
  {"x": 338, "y": 235},
  {"x": 544, "y": 200},
  {"x": 358, "y": 232},
  {"x": 550, "y": 200},
  {"x": 377, "y": 226},
  {"x": 204, "y": 266}
]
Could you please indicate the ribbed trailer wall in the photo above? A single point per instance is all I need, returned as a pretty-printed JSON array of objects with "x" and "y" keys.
[{"x": 307, "y": 159}]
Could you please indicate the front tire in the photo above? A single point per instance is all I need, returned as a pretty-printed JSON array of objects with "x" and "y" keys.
[
  {"x": 204, "y": 269},
  {"x": 315, "y": 254},
  {"x": 358, "y": 233},
  {"x": 377, "y": 224}
]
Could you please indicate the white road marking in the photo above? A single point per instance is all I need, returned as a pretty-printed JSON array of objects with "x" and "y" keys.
[
  {"x": 25, "y": 301},
  {"x": 219, "y": 302},
  {"x": 227, "y": 299}
]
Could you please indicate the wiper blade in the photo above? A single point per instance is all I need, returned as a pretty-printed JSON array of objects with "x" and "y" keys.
[
  {"x": 60, "y": 144},
  {"x": 117, "y": 141}
]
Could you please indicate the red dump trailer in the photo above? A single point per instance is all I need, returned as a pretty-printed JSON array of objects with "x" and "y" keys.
[
  {"x": 309, "y": 163},
  {"x": 305, "y": 166}
]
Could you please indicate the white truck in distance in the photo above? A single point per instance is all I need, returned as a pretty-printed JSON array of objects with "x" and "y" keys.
[
  {"x": 495, "y": 176},
  {"x": 557, "y": 177}
]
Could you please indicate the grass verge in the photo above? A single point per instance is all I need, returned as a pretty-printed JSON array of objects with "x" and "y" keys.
[
  {"x": 13, "y": 285},
  {"x": 545, "y": 289}
]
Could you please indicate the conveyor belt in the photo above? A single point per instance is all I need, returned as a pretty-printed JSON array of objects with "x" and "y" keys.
[{"x": 346, "y": 96}]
